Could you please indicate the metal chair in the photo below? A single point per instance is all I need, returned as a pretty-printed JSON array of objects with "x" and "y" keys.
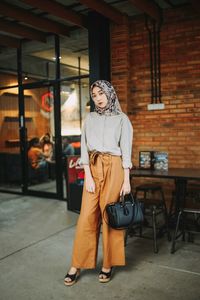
[
  {"x": 152, "y": 208},
  {"x": 188, "y": 219}
]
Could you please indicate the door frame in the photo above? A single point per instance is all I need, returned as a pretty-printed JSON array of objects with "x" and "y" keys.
[
  {"x": 57, "y": 116},
  {"x": 58, "y": 142}
]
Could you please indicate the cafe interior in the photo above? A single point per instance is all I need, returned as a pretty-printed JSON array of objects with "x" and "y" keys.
[{"x": 51, "y": 52}]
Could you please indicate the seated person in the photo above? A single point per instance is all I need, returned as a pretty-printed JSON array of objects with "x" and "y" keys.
[
  {"x": 76, "y": 146},
  {"x": 67, "y": 148},
  {"x": 47, "y": 147},
  {"x": 35, "y": 155}
]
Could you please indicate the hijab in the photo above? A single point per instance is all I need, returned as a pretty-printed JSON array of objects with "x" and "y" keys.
[{"x": 113, "y": 107}]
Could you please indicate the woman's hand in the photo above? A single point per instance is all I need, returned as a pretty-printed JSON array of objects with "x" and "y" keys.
[
  {"x": 89, "y": 184},
  {"x": 89, "y": 181},
  {"x": 126, "y": 188}
]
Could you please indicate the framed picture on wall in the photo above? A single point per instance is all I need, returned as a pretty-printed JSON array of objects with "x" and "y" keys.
[
  {"x": 154, "y": 160},
  {"x": 145, "y": 160},
  {"x": 160, "y": 160}
]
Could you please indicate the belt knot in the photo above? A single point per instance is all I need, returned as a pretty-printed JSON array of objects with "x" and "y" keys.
[{"x": 93, "y": 156}]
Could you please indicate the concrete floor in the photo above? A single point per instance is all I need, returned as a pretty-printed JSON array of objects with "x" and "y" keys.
[{"x": 36, "y": 238}]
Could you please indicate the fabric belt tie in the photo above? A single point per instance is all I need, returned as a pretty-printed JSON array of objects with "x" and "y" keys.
[{"x": 94, "y": 154}]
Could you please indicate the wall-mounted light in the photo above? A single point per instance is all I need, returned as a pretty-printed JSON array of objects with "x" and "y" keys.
[
  {"x": 26, "y": 77},
  {"x": 72, "y": 86},
  {"x": 84, "y": 85},
  {"x": 87, "y": 104}
]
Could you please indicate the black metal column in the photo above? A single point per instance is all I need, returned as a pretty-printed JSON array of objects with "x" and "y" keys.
[
  {"x": 57, "y": 122},
  {"x": 22, "y": 125},
  {"x": 99, "y": 47},
  {"x": 153, "y": 28},
  {"x": 79, "y": 90}
]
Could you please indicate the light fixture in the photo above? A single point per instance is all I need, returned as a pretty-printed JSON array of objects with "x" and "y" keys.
[
  {"x": 84, "y": 85},
  {"x": 54, "y": 58},
  {"x": 26, "y": 77},
  {"x": 87, "y": 104}
]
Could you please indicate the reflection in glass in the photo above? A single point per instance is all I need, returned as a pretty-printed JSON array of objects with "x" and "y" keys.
[
  {"x": 8, "y": 64},
  {"x": 73, "y": 106},
  {"x": 74, "y": 54},
  {"x": 38, "y": 61}
]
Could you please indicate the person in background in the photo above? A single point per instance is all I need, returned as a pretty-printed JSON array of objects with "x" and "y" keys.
[
  {"x": 67, "y": 148},
  {"x": 106, "y": 146},
  {"x": 47, "y": 147},
  {"x": 36, "y": 156}
]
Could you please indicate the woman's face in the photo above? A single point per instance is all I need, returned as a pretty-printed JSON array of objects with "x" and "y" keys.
[{"x": 99, "y": 97}]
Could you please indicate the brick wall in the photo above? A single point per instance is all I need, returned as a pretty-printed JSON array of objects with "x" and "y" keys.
[
  {"x": 176, "y": 129},
  {"x": 120, "y": 60}
]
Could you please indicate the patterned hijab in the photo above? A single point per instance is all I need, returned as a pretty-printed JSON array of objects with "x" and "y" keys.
[{"x": 113, "y": 107}]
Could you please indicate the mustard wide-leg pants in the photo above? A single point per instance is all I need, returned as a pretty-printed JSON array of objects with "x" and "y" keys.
[{"x": 108, "y": 175}]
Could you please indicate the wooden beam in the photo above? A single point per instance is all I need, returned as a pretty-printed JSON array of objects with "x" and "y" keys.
[
  {"x": 21, "y": 30},
  {"x": 105, "y": 9},
  {"x": 9, "y": 41},
  {"x": 148, "y": 7},
  {"x": 27, "y": 17},
  {"x": 196, "y": 5},
  {"x": 58, "y": 10}
]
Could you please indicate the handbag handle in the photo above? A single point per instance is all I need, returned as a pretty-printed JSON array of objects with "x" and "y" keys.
[{"x": 121, "y": 199}]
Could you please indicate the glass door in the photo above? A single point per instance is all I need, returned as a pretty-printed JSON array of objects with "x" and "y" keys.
[
  {"x": 10, "y": 157},
  {"x": 75, "y": 104},
  {"x": 40, "y": 140}
]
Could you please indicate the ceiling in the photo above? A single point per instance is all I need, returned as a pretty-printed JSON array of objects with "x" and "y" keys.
[{"x": 32, "y": 23}]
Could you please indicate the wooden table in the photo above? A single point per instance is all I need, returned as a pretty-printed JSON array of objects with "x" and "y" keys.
[{"x": 180, "y": 177}]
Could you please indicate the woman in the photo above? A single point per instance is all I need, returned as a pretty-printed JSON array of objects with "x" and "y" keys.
[
  {"x": 106, "y": 145},
  {"x": 36, "y": 157},
  {"x": 47, "y": 147}
]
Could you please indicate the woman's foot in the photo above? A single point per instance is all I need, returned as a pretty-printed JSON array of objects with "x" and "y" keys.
[
  {"x": 105, "y": 275},
  {"x": 71, "y": 276}
]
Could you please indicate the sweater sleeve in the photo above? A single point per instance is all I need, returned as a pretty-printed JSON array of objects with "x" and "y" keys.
[
  {"x": 126, "y": 142},
  {"x": 84, "y": 150}
]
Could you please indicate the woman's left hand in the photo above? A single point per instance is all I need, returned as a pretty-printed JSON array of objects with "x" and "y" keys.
[{"x": 126, "y": 188}]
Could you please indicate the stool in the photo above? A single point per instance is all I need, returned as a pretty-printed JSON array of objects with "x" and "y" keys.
[
  {"x": 153, "y": 207},
  {"x": 185, "y": 226}
]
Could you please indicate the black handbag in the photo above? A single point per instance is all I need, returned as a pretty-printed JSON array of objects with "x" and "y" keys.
[{"x": 124, "y": 213}]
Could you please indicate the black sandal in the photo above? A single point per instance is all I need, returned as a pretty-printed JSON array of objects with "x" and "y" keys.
[
  {"x": 73, "y": 278},
  {"x": 107, "y": 274}
]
